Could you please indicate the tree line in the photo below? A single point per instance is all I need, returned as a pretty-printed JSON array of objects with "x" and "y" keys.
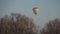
[{"x": 16, "y": 23}]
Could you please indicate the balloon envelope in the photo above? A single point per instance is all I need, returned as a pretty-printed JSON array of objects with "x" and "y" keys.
[{"x": 35, "y": 10}]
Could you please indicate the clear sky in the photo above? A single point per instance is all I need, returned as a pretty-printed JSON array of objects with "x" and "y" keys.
[{"x": 49, "y": 9}]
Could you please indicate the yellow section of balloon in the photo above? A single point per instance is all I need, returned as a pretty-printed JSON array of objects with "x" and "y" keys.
[{"x": 35, "y": 10}]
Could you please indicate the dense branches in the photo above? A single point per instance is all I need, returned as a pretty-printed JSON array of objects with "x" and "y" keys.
[
  {"x": 53, "y": 27},
  {"x": 17, "y": 24}
]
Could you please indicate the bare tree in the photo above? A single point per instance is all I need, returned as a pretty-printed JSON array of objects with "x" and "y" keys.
[
  {"x": 17, "y": 24},
  {"x": 53, "y": 27}
]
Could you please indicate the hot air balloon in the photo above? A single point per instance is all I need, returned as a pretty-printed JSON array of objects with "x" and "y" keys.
[{"x": 35, "y": 10}]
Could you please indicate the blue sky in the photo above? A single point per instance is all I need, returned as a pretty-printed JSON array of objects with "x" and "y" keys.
[{"x": 49, "y": 9}]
